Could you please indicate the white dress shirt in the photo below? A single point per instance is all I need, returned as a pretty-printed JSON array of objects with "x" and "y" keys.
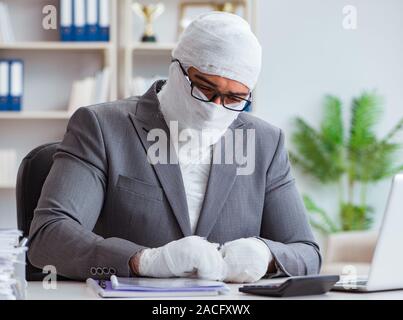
[{"x": 195, "y": 177}]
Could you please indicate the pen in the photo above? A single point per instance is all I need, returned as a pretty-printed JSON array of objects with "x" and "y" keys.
[
  {"x": 102, "y": 284},
  {"x": 23, "y": 242}
]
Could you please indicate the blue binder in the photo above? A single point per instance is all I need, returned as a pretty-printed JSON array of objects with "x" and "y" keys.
[
  {"x": 79, "y": 20},
  {"x": 91, "y": 25},
  {"x": 16, "y": 84},
  {"x": 4, "y": 84},
  {"x": 104, "y": 20},
  {"x": 66, "y": 20}
]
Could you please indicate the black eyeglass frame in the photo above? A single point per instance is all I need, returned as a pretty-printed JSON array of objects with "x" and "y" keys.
[{"x": 217, "y": 94}]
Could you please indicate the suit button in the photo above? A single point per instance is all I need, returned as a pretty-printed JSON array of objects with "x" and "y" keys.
[
  {"x": 93, "y": 271},
  {"x": 112, "y": 270},
  {"x": 105, "y": 270},
  {"x": 99, "y": 271}
]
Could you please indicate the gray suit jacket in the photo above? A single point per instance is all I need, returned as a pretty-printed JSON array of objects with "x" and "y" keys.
[{"x": 103, "y": 201}]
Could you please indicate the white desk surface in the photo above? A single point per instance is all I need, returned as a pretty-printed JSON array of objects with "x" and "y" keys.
[{"x": 79, "y": 291}]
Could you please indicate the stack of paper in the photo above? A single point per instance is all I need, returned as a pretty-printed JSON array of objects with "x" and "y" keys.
[
  {"x": 148, "y": 287},
  {"x": 89, "y": 91},
  {"x": 6, "y": 30},
  {"x": 12, "y": 261},
  {"x": 8, "y": 167}
]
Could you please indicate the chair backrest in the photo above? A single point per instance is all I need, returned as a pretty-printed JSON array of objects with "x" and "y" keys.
[{"x": 32, "y": 173}]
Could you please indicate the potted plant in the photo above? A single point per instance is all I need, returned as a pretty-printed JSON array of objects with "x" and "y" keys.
[{"x": 352, "y": 158}]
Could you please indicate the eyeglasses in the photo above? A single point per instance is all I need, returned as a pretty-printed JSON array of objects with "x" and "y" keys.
[{"x": 206, "y": 93}]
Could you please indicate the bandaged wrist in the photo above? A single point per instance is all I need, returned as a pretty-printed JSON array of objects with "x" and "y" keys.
[
  {"x": 153, "y": 264},
  {"x": 263, "y": 249}
]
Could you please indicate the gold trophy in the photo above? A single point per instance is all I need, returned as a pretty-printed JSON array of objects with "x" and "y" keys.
[
  {"x": 229, "y": 7},
  {"x": 148, "y": 13}
]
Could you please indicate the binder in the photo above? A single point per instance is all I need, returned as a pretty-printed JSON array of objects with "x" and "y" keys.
[
  {"x": 91, "y": 25},
  {"x": 79, "y": 20},
  {"x": 104, "y": 20},
  {"x": 4, "y": 85},
  {"x": 7, "y": 34},
  {"x": 16, "y": 84},
  {"x": 148, "y": 287},
  {"x": 66, "y": 20}
]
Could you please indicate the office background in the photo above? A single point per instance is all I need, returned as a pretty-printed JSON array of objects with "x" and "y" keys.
[{"x": 307, "y": 54}]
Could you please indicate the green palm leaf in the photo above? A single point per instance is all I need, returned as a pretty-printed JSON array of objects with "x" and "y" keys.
[
  {"x": 365, "y": 115},
  {"x": 332, "y": 124},
  {"x": 319, "y": 218},
  {"x": 363, "y": 158},
  {"x": 366, "y": 112},
  {"x": 314, "y": 153}
]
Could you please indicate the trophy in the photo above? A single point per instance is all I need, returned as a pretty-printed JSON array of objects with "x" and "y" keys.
[
  {"x": 229, "y": 7},
  {"x": 148, "y": 13}
]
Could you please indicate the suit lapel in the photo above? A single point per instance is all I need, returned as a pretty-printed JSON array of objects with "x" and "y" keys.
[
  {"x": 149, "y": 117},
  {"x": 221, "y": 180}
]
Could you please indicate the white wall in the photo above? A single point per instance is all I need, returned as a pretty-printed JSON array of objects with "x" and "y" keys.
[{"x": 308, "y": 53}]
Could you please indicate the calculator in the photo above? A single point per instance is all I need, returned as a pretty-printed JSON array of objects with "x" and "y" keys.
[{"x": 294, "y": 286}]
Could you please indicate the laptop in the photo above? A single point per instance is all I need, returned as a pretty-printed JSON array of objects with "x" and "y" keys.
[{"x": 386, "y": 272}]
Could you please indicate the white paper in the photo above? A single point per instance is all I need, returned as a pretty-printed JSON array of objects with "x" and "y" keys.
[
  {"x": 8, "y": 172},
  {"x": 12, "y": 281}
]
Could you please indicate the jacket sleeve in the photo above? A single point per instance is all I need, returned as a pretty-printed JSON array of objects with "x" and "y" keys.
[
  {"x": 285, "y": 228},
  {"x": 70, "y": 204}
]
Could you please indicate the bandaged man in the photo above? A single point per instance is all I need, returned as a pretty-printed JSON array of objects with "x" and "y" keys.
[{"x": 153, "y": 186}]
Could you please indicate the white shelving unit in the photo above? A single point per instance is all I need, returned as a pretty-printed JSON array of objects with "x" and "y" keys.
[
  {"x": 50, "y": 68},
  {"x": 136, "y": 55},
  {"x": 54, "y": 45},
  {"x": 153, "y": 46},
  {"x": 35, "y": 115},
  {"x": 7, "y": 186}
]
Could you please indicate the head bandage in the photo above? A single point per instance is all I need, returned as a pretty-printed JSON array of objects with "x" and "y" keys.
[
  {"x": 215, "y": 43},
  {"x": 221, "y": 44}
]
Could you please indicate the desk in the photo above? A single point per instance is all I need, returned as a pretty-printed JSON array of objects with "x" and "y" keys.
[{"x": 79, "y": 291}]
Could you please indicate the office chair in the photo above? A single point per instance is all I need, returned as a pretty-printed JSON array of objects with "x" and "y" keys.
[{"x": 31, "y": 176}]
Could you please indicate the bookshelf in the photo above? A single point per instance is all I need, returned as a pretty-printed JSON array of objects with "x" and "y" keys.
[
  {"x": 54, "y": 45},
  {"x": 52, "y": 66},
  {"x": 7, "y": 186},
  {"x": 34, "y": 115}
]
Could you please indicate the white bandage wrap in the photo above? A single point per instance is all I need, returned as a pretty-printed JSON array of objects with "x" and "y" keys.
[
  {"x": 221, "y": 44},
  {"x": 247, "y": 259},
  {"x": 190, "y": 256}
]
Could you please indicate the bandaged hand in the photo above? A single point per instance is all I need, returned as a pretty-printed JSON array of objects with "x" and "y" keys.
[
  {"x": 247, "y": 259},
  {"x": 190, "y": 256}
]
